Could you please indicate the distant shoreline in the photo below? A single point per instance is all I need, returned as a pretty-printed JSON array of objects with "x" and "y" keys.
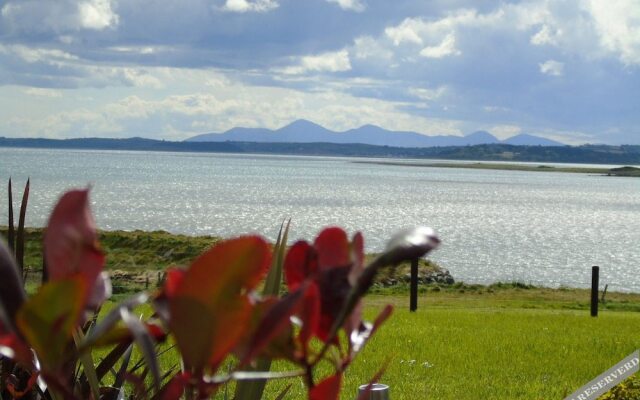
[
  {"x": 622, "y": 171},
  {"x": 585, "y": 154}
]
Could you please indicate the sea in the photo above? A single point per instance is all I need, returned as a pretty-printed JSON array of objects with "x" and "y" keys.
[{"x": 540, "y": 228}]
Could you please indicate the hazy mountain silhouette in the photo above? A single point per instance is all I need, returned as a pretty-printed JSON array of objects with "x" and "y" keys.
[
  {"x": 303, "y": 131},
  {"x": 529, "y": 140}
]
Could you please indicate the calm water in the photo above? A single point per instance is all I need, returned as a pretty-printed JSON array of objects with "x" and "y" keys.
[{"x": 538, "y": 227}]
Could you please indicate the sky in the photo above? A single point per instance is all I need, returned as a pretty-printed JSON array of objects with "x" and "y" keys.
[{"x": 566, "y": 70}]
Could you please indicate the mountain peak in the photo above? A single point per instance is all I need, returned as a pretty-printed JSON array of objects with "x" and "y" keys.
[
  {"x": 301, "y": 124},
  {"x": 481, "y": 137},
  {"x": 525, "y": 139}
]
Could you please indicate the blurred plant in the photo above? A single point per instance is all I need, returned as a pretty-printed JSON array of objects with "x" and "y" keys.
[
  {"x": 15, "y": 239},
  {"x": 212, "y": 310}
]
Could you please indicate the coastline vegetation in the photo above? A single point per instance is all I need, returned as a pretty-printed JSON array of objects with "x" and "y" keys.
[{"x": 622, "y": 171}]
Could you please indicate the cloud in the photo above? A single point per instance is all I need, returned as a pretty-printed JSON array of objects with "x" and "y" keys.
[
  {"x": 455, "y": 64},
  {"x": 618, "y": 24},
  {"x": 41, "y": 92},
  {"x": 505, "y": 131},
  {"x": 242, "y": 6},
  {"x": 552, "y": 67},
  {"x": 353, "y": 5},
  {"x": 337, "y": 61},
  {"x": 215, "y": 109},
  {"x": 427, "y": 94},
  {"x": 97, "y": 14},
  {"x": 545, "y": 36},
  {"x": 42, "y": 16},
  {"x": 366, "y": 47},
  {"x": 446, "y": 48}
]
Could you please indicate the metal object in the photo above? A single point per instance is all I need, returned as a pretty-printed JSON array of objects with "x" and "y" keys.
[{"x": 378, "y": 391}]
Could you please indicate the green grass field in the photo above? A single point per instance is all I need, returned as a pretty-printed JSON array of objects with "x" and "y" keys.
[
  {"x": 489, "y": 349},
  {"x": 503, "y": 341},
  {"x": 503, "y": 344}
]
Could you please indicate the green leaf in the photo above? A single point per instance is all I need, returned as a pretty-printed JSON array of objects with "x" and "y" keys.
[
  {"x": 274, "y": 278},
  {"x": 49, "y": 318},
  {"x": 145, "y": 343},
  {"x": 11, "y": 228},
  {"x": 253, "y": 390},
  {"x": 12, "y": 294},
  {"x": 20, "y": 232},
  {"x": 88, "y": 367}
]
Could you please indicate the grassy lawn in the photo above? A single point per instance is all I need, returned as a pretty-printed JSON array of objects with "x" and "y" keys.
[
  {"x": 488, "y": 348},
  {"x": 503, "y": 341}
]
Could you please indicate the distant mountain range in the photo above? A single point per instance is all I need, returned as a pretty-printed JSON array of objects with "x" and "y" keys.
[
  {"x": 592, "y": 154},
  {"x": 303, "y": 131}
]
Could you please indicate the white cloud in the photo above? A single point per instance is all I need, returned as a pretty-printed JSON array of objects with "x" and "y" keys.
[
  {"x": 618, "y": 24},
  {"x": 545, "y": 36},
  {"x": 42, "y": 92},
  {"x": 354, "y": 5},
  {"x": 216, "y": 109},
  {"x": 44, "y": 16},
  {"x": 505, "y": 131},
  {"x": 427, "y": 94},
  {"x": 336, "y": 61},
  {"x": 367, "y": 47},
  {"x": 97, "y": 14},
  {"x": 248, "y": 5},
  {"x": 407, "y": 31},
  {"x": 446, "y": 48},
  {"x": 552, "y": 67},
  {"x": 492, "y": 109}
]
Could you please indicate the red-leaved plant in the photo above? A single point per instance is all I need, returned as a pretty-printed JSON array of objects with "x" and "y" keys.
[{"x": 211, "y": 310}]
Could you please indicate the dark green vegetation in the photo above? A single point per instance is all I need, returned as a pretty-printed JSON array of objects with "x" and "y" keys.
[
  {"x": 622, "y": 171},
  {"x": 596, "y": 154},
  {"x": 136, "y": 260}
]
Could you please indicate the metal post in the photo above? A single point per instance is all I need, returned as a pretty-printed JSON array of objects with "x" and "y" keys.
[
  {"x": 595, "y": 278},
  {"x": 377, "y": 391},
  {"x": 413, "y": 302}
]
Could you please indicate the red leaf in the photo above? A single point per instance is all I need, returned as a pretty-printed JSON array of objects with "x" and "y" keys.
[
  {"x": 357, "y": 250},
  {"x": 227, "y": 268},
  {"x": 300, "y": 264},
  {"x": 328, "y": 389},
  {"x": 270, "y": 319},
  {"x": 332, "y": 246},
  {"x": 13, "y": 347},
  {"x": 174, "y": 389},
  {"x": 71, "y": 241},
  {"x": 174, "y": 277},
  {"x": 310, "y": 315},
  {"x": 209, "y": 309}
]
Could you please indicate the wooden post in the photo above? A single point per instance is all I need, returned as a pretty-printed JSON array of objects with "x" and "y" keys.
[
  {"x": 595, "y": 277},
  {"x": 413, "y": 303},
  {"x": 604, "y": 293}
]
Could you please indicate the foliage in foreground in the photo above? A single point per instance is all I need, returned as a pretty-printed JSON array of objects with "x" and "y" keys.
[{"x": 210, "y": 310}]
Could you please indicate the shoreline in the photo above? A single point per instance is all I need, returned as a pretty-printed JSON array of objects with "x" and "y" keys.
[
  {"x": 137, "y": 259},
  {"x": 619, "y": 172}
]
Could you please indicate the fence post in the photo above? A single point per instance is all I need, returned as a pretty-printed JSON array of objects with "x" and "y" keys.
[
  {"x": 595, "y": 277},
  {"x": 413, "y": 302}
]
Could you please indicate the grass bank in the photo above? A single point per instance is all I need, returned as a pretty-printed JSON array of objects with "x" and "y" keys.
[
  {"x": 501, "y": 341},
  {"x": 489, "y": 345},
  {"x": 622, "y": 171}
]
